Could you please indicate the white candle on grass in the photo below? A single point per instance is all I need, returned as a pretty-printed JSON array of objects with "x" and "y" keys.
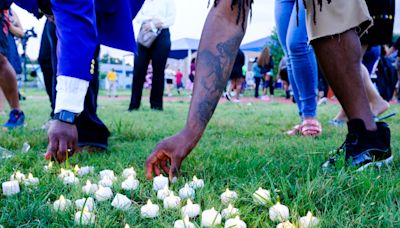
[
  {"x": 107, "y": 173},
  {"x": 84, "y": 217},
  {"x": 187, "y": 192},
  {"x": 85, "y": 202},
  {"x": 286, "y": 224},
  {"x": 129, "y": 172},
  {"x": 308, "y": 221},
  {"x": 228, "y": 196},
  {"x": 121, "y": 202},
  {"x": 10, "y": 188},
  {"x": 262, "y": 196},
  {"x": 31, "y": 180},
  {"x": 130, "y": 184},
  {"x": 235, "y": 223},
  {"x": 163, "y": 193},
  {"x": 184, "y": 223},
  {"x": 17, "y": 176},
  {"x": 90, "y": 188},
  {"x": 103, "y": 194},
  {"x": 191, "y": 210},
  {"x": 279, "y": 213},
  {"x": 159, "y": 182},
  {"x": 210, "y": 218},
  {"x": 106, "y": 182},
  {"x": 149, "y": 210},
  {"x": 172, "y": 201},
  {"x": 229, "y": 212},
  {"x": 61, "y": 204},
  {"x": 83, "y": 171},
  {"x": 196, "y": 183}
]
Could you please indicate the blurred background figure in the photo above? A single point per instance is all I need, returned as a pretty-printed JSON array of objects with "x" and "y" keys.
[
  {"x": 302, "y": 65},
  {"x": 236, "y": 78},
  {"x": 169, "y": 80},
  {"x": 112, "y": 79},
  {"x": 396, "y": 48},
  {"x": 264, "y": 64},
  {"x": 283, "y": 75},
  {"x": 178, "y": 80},
  {"x": 189, "y": 84},
  {"x": 156, "y": 15}
]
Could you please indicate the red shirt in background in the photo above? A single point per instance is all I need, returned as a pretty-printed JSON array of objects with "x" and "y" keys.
[{"x": 179, "y": 76}]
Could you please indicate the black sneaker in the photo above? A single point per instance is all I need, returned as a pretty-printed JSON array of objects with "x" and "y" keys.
[{"x": 363, "y": 148}]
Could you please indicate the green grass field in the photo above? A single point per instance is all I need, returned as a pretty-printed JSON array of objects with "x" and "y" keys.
[{"x": 243, "y": 148}]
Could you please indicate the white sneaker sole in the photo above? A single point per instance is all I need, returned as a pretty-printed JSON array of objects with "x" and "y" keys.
[{"x": 388, "y": 161}]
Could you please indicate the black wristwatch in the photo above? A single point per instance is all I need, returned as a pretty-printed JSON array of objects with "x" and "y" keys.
[{"x": 66, "y": 117}]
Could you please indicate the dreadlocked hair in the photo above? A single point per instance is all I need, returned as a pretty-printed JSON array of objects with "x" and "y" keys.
[
  {"x": 241, "y": 4},
  {"x": 314, "y": 6}
]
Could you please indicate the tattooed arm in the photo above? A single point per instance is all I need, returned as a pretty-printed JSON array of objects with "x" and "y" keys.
[{"x": 219, "y": 44}]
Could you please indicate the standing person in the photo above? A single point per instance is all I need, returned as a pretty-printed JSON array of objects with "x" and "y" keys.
[
  {"x": 169, "y": 80},
  {"x": 8, "y": 80},
  {"x": 178, "y": 80},
  {"x": 158, "y": 15},
  {"x": 236, "y": 77},
  {"x": 301, "y": 64},
  {"x": 112, "y": 79},
  {"x": 269, "y": 83},
  {"x": 283, "y": 75},
  {"x": 334, "y": 28},
  {"x": 189, "y": 84},
  {"x": 265, "y": 63},
  {"x": 257, "y": 77}
]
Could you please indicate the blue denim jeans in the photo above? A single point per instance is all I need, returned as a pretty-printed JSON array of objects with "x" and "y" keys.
[{"x": 302, "y": 65}]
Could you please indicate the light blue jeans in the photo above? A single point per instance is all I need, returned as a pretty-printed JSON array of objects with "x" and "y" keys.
[{"x": 302, "y": 65}]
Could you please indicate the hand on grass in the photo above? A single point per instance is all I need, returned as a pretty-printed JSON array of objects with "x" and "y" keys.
[
  {"x": 63, "y": 139},
  {"x": 169, "y": 155}
]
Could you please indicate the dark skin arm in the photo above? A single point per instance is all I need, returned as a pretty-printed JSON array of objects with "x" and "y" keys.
[{"x": 218, "y": 48}]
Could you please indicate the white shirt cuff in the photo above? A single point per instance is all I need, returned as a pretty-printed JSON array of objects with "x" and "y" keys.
[{"x": 71, "y": 93}]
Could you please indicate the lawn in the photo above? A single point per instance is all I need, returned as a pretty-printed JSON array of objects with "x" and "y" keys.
[{"x": 243, "y": 148}]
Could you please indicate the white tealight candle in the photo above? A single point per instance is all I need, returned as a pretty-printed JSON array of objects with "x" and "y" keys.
[
  {"x": 107, "y": 173},
  {"x": 65, "y": 173},
  {"x": 127, "y": 226},
  {"x": 83, "y": 171},
  {"x": 103, "y": 194},
  {"x": 184, "y": 223},
  {"x": 286, "y": 224},
  {"x": 129, "y": 172},
  {"x": 308, "y": 221},
  {"x": 70, "y": 180},
  {"x": 196, "y": 183},
  {"x": 172, "y": 201},
  {"x": 85, "y": 202},
  {"x": 90, "y": 188},
  {"x": 229, "y": 212},
  {"x": 210, "y": 218},
  {"x": 130, "y": 184},
  {"x": 61, "y": 204},
  {"x": 48, "y": 167},
  {"x": 149, "y": 210},
  {"x": 84, "y": 217},
  {"x": 262, "y": 196},
  {"x": 76, "y": 168},
  {"x": 17, "y": 176},
  {"x": 228, "y": 196},
  {"x": 159, "y": 182},
  {"x": 187, "y": 192},
  {"x": 191, "y": 210},
  {"x": 10, "y": 188},
  {"x": 31, "y": 180},
  {"x": 163, "y": 193},
  {"x": 235, "y": 223},
  {"x": 279, "y": 213},
  {"x": 106, "y": 182},
  {"x": 121, "y": 202}
]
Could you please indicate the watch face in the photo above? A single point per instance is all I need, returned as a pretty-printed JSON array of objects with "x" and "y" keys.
[{"x": 67, "y": 117}]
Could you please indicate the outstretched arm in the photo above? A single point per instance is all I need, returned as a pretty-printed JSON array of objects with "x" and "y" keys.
[{"x": 219, "y": 44}]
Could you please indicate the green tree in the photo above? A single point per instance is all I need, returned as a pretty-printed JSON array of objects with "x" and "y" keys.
[{"x": 276, "y": 50}]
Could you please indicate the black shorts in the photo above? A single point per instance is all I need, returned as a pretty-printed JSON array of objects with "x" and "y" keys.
[
  {"x": 170, "y": 81},
  {"x": 3, "y": 37},
  {"x": 284, "y": 75},
  {"x": 178, "y": 86}
]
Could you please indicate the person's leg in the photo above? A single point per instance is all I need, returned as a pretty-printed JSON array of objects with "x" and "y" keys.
[
  {"x": 338, "y": 63},
  {"x": 139, "y": 73},
  {"x": 8, "y": 83},
  {"x": 92, "y": 132},
  {"x": 257, "y": 81},
  {"x": 238, "y": 84},
  {"x": 283, "y": 12},
  {"x": 303, "y": 63},
  {"x": 160, "y": 51},
  {"x": 271, "y": 86}
]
